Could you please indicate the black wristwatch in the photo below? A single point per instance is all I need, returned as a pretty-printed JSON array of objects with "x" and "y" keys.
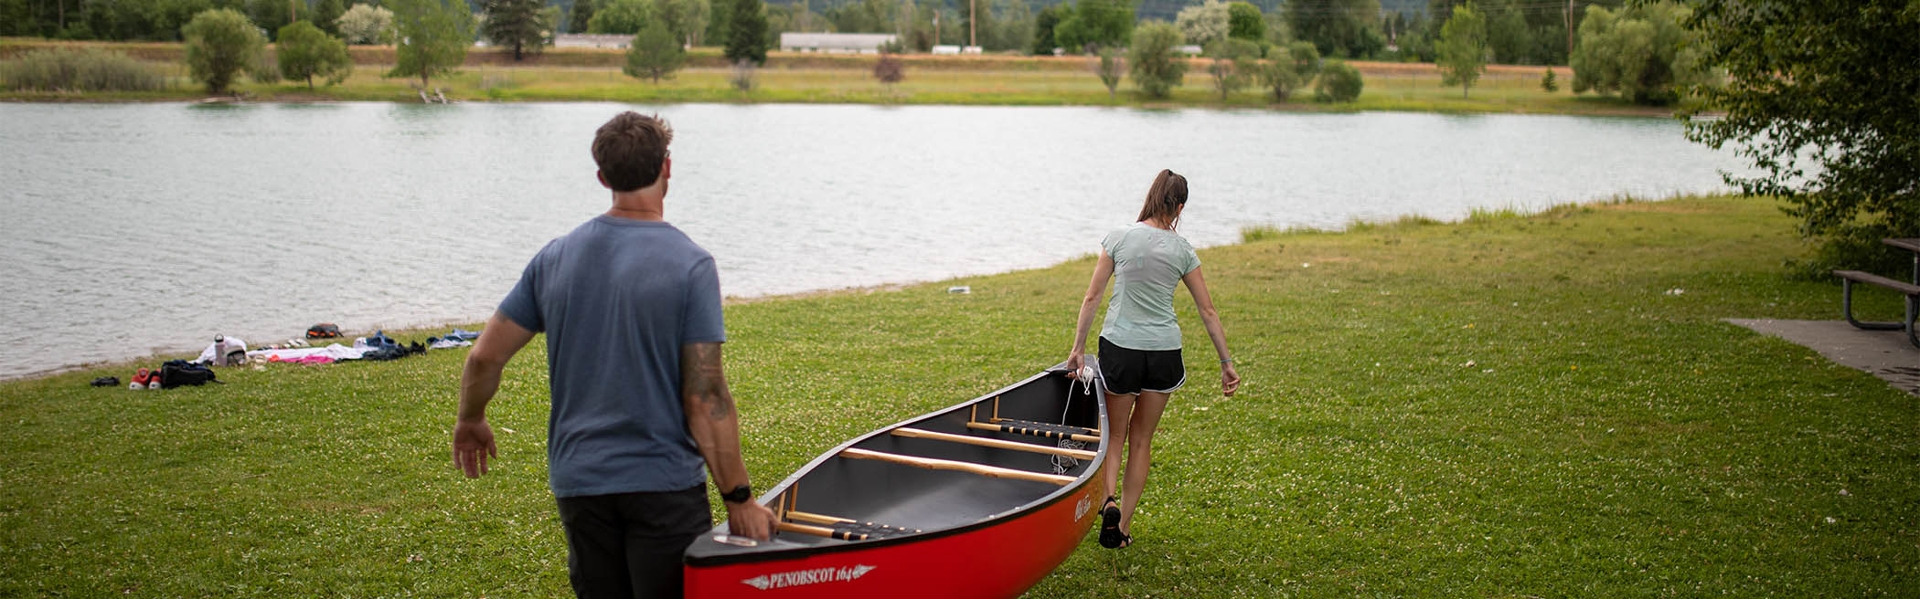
[{"x": 739, "y": 494}]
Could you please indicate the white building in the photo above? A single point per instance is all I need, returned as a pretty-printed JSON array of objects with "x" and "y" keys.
[
  {"x": 864, "y": 43},
  {"x": 591, "y": 40}
]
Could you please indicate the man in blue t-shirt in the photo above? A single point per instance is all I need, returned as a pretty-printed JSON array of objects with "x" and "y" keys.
[{"x": 641, "y": 411}]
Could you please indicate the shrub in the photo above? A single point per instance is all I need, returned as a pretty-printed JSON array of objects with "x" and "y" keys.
[
  {"x": 306, "y": 52},
  {"x": 1156, "y": 67},
  {"x": 1339, "y": 82},
  {"x": 889, "y": 70},
  {"x": 221, "y": 43},
  {"x": 1548, "y": 83},
  {"x": 83, "y": 70},
  {"x": 1110, "y": 68},
  {"x": 745, "y": 76}
]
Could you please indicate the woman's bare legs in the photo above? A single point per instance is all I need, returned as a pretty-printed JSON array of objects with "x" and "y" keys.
[
  {"x": 1119, "y": 412},
  {"x": 1143, "y": 420}
]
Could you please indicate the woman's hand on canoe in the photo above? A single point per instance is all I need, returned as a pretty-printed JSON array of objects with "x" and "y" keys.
[
  {"x": 750, "y": 519},
  {"x": 1075, "y": 361}
]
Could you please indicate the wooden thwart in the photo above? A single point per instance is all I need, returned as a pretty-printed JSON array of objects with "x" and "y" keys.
[
  {"x": 938, "y": 464},
  {"x": 915, "y": 433},
  {"x": 815, "y": 518}
]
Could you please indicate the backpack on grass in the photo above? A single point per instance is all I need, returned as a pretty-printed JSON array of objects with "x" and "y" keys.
[{"x": 177, "y": 373}]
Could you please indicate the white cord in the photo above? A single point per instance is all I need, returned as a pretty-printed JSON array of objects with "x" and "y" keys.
[{"x": 1061, "y": 464}]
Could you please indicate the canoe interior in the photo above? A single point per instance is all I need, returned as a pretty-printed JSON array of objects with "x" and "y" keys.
[{"x": 934, "y": 501}]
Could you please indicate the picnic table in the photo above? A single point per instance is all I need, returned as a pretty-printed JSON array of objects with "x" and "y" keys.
[{"x": 1909, "y": 289}]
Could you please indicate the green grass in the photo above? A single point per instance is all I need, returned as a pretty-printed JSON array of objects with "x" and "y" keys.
[
  {"x": 1509, "y": 406},
  {"x": 594, "y": 75}
]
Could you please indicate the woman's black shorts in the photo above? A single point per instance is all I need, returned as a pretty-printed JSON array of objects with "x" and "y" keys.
[{"x": 1130, "y": 371}]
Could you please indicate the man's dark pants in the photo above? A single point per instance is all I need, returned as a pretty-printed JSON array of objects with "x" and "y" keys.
[{"x": 629, "y": 544}]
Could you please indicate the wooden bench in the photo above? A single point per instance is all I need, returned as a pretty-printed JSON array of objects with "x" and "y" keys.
[{"x": 1911, "y": 290}]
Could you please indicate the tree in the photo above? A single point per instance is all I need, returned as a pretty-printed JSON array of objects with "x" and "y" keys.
[
  {"x": 1109, "y": 69},
  {"x": 1549, "y": 83},
  {"x": 270, "y": 15},
  {"x": 1244, "y": 21},
  {"x": 578, "y": 16},
  {"x": 1203, "y": 23},
  {"x": 306, "y": 52},
  {"x": 624, "y": 17},
  {"x": 1341, "y": 28},
  {"x": 1098, "y": 23},
  {"x": 1463, "y": 48},
  {"x": 1339, "y": 82},
  {"x": 1234, "y": 64},
  {"x": 1043, "y": 24},
  {"x": 519, "y": 24},
  {"x": 1820, "y": 96},
  {"x": 221, "y": 43},
  {"x": 434, "y": 36},
  {"x": 366, "y": 24},
  {"x": 1291, "y": 71},
  {"x": 326, "y": 16},
  {"x": 685, "y": 19},
  {"x": 747, "y": 38},
  {"x": 1156, "y": 65},
  {"x": 1642, "y": 52},
  {"x": 654, "y": 54}
]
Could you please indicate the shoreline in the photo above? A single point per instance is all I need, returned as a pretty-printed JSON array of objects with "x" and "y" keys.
[
  {"x": 593, "y": 75},
  {"x": 113, "y": 367}
]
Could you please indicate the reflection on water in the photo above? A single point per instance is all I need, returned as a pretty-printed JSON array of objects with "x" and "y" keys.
[{"x": 130, "y": 228}]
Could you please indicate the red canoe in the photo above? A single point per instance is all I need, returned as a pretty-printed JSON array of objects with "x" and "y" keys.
[{"x": 979, "y": 500}]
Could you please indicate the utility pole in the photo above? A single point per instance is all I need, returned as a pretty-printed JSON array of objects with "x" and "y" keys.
[{"x": 973, "y": 16}]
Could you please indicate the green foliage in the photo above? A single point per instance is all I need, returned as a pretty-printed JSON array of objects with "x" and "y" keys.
[
  {"x": 1043, "y": 24},
  {"x": 1244, "y": 21},
  {"x": 654, "y": 54},
  {"x": 77, "y": 70},
  {"x": 1338, "y": 28},
  {"x": 364, "y": 24},
  {"x": 1235, "y": 63},
  {"x": 306, "y": 52},
  {"x": 1821, "y": 97},
  {"x": 1641, "y": 53},
  {"x": 220, "y": 44},
  {"x": 518, "y": 24},
  {"x": 1095, "y": 24},
  {"x": 1201, "y": 24},
  {"x": 579, "y": 16},
  {"x": 266, "y": 69},
  {"x": 326, "y": 15},
  {"x": 624, "y": 17},
  {"x": 1463, "y": 48},
  {"x": 747, "y": 33},
  {"x": 1289, "y": 71},
  {"x": 1110, "y": 69},
  {"x": 1339, "y": 82},
  {"x": 1157, "y": 67},
  {"x": 1549, "y": 82},
  {"x": 686, "y": 20},
  {"x": 270, "y": 15},
  {"x": 434, "y": 37}
]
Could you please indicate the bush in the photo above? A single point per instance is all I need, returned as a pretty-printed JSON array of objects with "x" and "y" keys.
[
  {"x": 1642, "y": 52},
  {"x": 1235, "y": 63},
  {"x": 265, "y": 70},
  {"x": 221, "y": 43},
  {"x": 745, "y": 76},
  {"x": 889, "y": 70},
  {"x": 1156, "y": 66},
  {"x": 306, "y": 52},
  {"x": 1339, "y": 82},
  {"x": 84, "y": 70},
  {"x": 1549, "y": 83}
]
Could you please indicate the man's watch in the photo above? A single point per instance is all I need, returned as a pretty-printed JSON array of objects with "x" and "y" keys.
[{"x": 739, "y": 494}]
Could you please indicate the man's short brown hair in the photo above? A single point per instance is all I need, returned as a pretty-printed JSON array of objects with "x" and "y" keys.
[{"x": 631, "y": 149}]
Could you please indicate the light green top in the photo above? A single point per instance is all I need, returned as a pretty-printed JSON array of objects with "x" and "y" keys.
[{"x": 1148, "y": 263}]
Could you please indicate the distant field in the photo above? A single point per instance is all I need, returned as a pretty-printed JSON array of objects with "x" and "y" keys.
[{"x": 593, "y": 74}]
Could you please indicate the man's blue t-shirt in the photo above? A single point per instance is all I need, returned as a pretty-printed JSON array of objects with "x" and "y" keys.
[{"x": 617, "y": 298}]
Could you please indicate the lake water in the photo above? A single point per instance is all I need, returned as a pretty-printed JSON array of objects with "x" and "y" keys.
[{"x": 135, "y": 228}]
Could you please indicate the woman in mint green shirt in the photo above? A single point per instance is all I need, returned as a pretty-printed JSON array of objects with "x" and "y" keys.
[{"x": 1140, "y": 340}]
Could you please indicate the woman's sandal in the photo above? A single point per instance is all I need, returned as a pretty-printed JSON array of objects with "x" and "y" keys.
[{"x": 1110, "y": 535}]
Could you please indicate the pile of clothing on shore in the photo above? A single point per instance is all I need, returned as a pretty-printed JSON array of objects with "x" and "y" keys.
[{"x": 376, "y": 347}]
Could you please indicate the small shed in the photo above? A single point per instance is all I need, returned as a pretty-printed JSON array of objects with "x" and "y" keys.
[{"x": 864, "y": 43}]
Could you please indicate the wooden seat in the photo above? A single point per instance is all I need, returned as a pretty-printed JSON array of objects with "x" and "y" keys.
[
  {"x": 939, "y": 464},
  {"x": 833, "y": 527},
  {"x": 914, "y": 433},
  {"x": 1038, "y": 429}
]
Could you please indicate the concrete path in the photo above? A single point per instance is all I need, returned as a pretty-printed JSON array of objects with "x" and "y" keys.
[{"x": 1885, "y": 354}]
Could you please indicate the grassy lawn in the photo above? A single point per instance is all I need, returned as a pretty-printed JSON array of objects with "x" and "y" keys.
[
  {"x": 594, "y": 74},
  {"x": 1509, "y": 406}
]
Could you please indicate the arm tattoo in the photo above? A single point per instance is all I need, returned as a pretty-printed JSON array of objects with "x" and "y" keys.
[{"x": 704, "y": 379}]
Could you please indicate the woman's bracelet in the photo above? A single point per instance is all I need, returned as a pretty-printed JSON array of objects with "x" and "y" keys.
[{"x": 1226, "y": 360}]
